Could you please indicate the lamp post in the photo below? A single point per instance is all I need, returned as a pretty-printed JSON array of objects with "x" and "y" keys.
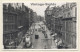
[
  {"x": 54, "y": 22},
  {"x": 29, "y": 21}
]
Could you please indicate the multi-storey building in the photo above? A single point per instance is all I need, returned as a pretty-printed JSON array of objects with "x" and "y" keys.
[
  {"x": 69, "y": 25},
  {"x": 48, "y": 17},
  {"x": 9, "y": 24},
  {"x": 35, "y": 17},
  {"x": 63, "y": 22},
  {"x": 16, "y": 22}
]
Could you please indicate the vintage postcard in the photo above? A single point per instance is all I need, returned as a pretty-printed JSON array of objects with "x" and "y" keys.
[{"x": 39, "y": 25}]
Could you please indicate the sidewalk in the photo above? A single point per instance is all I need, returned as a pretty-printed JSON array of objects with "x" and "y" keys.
[
  {"x": 53, "y": 44},
  {"x": 50, "y": 37},
  {"x": 20, "y": 46}
]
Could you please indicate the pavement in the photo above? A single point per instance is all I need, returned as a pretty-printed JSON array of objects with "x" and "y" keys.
[{"x": 20, "y": 46}]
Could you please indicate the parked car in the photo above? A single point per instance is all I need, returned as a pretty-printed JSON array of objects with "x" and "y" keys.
[
  {"x": 28, "y": 42},
  {"x": 40, "y": 29},
  {"x": 9, "y": 45},
  {"x": 36, "y": 36},
  {"x": 62, "y": 46}
]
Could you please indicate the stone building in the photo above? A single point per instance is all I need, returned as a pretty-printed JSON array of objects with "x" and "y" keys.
[
  {"x": 69, "y": 25},
  {"x": 62, "y": 20},
  {"x": 48, "y": 17},
  {"x": 9, "y": 24},
  {"x": 35, "y": 17},
  {"x": 15, "y": 23}
]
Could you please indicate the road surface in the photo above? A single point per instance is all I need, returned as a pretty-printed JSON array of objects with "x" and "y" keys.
[{"x": 41, "y": 42}]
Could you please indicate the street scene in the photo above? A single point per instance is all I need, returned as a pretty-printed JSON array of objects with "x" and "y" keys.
[{"x": 39, "y": 25}]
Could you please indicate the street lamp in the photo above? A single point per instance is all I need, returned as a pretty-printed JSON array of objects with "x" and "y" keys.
[
  {"x": 29, "y": 21},
  {"x": 54, "y": 22}
]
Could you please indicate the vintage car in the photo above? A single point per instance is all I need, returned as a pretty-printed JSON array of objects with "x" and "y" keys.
[{"x": 28, "y": 42}]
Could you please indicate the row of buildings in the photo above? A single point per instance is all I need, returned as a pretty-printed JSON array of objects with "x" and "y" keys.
[
  {"x": 62, "y": 20},
  {"x": 17, "y": 18},
  {"x": 37, "y": 18}
]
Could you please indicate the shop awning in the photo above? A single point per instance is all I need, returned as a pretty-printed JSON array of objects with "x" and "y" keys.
[{"x": 20, "y": 26}]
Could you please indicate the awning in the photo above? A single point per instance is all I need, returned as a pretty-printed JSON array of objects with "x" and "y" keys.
[
  {"x": 54, "y": 34},
  {"x": 20, "y": 26},
  {"x": 10, "y": 31}
]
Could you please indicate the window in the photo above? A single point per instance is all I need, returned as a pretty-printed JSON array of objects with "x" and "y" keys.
[
  {"x": 69, "y": 14},
  {"x": 49, "y": 12},
  {"x": 12, "y": 26},
  {"x": 4, "y": 27}
]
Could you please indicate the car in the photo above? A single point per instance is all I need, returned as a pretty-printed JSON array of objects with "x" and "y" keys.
[
  {"x": 28, "y": 42},
  {"x": 39, "y": 29},
  {"x": 36, "y": 36},
  {"x": 9, "y": 45}
]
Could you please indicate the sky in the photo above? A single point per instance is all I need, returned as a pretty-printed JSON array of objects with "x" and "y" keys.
[{"x": 40, "y": 7}]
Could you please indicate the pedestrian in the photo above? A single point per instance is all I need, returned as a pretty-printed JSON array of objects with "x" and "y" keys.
[
  {"x": 45, "y": 47},
  {"x": 45, "y": 35}
]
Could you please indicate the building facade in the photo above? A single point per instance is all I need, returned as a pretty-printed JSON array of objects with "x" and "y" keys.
[
  {"x": 48, "y": 17},
  {"x": 16, "y": 21},
  {"x": 63, "y": 22},
  {"x": 69, "y": 25}
]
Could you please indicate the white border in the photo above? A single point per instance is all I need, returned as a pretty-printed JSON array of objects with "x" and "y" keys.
[{"x": 77, "y": 45}]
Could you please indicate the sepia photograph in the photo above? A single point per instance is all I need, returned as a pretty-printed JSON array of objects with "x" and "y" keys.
[{"x": 40, "y": 25}]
